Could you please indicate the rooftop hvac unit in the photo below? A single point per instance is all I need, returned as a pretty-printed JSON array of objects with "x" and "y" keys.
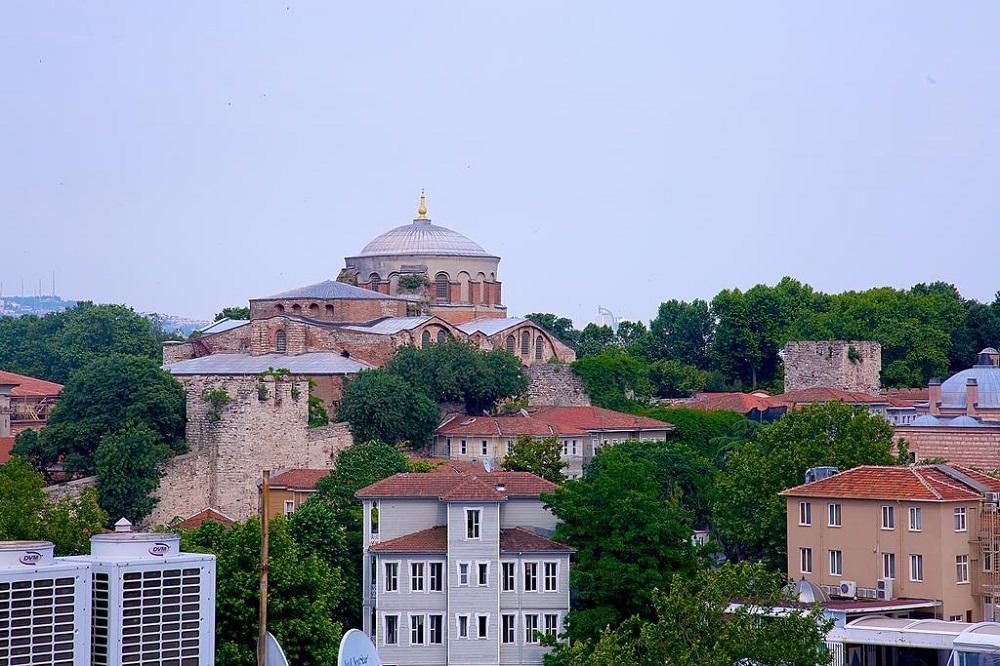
[
  {"x": 152, "y": 604},
  {"x": 847, "y": 588},
  {"x": 884, "y": 588},
  {"x": 44, "y": 607}
]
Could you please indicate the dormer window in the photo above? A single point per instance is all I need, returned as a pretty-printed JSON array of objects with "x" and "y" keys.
[{"x": 280, "y": 342}]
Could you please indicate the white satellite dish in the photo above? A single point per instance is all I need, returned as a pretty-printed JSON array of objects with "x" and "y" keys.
[
  {"x": 273, "y": 654},
  {"x": 356, "y": 649},
  {"x": 488, "y": 464}
]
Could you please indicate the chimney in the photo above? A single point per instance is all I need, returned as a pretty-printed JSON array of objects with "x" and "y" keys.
[
  {"x": 971, "y": 395},
  {"x": 5, "y": 390},
  {"x": 934, "y": 396}
]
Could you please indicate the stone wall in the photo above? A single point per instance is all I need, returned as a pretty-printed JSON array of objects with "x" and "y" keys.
[
  {"x": 358, "y": 310},
  {"x": 977, "y": 447},
  {"x": 829, "y": 363},
  {"x": 553, "y": 384},
  {"x": 247, "y": 435}
]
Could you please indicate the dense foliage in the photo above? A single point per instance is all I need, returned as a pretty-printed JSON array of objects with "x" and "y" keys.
[
  {"x": 238, "y": 313},
  {"x": 127, "y": 464},
  {"x": 383, "y": 406},
  {"x": 561, "y": 327},
  {"x": 542, "y": 457}
]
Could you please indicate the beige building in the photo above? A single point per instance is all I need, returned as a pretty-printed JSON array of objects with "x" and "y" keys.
[
  {"x": 917, "y": 533},
  {"x": 291, "y": 488}
]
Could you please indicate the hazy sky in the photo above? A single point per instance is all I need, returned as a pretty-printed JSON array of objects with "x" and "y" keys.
[{"x": 181, "y": 157}]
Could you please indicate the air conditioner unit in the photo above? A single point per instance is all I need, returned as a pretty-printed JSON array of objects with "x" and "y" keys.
[
  {"x": 884, "y": 587},
  {"x": 153, "y": 605},
  {"x": 847, "y": 588},
  {"x": 44, "y": 607}
]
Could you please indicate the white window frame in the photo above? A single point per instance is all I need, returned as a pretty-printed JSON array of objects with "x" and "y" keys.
[
  {"x": 888, "y": 517},
  {"x": 468, "y": 573},
  {"x": 469, "y": 510},
  {"x": 513, "y": 629},
  {"x": 479, "y": 618},
  {"x": 916, "y": 519},
  {"x": 385, "y": 628},
  {"x": 422, "y": 578},
  {"x": 289, "y": 507},
  {"x": 512, "y": 566},
  {"x": 431, "y": 567},
  {"x": 531, "y": 639},
  {"x": 889, "y": 565},
  {"x": 463, "y": 447},
  {"x": 916, "y": 568},
  {"x": 834, "y": 514},
  {"x": 962, "y": 569},
  {"x": 441, "y": 628},
  {"x": 484, "y": 448},
  {"x": 479, "y": 582},
  {"x": 805, "y": 514},
  {"x": 423, "y": 621},
  {"x": 545, "y": 576},
  {"x": 805, "y": 560},
  {"x": 960, "y": 516},
  {"x": 836, "y": 556},
  {"x": 385, "y": 576},
  {"x": 545, "y": 624},
  {"x": 458, "y": 626},
  {"x": 524, "y": 580}
]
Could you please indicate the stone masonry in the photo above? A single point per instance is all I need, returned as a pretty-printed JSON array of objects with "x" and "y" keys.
[
  {"x": 977, "y": 447},
  {"x": 555, "y": 384},
  {"x": 849, "y": 365}
]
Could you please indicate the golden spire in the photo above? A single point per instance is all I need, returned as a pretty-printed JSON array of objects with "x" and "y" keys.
[{"x": 422, "y": 208}]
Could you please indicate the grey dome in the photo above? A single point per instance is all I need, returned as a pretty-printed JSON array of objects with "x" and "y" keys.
[
  {"x": 926, "y": 420},
  {"x": 965, "y": 421},
  {"x": 953, "y": 389},
  {"x": 422, "y": 238},
  {"x": 807, "y": 592}
]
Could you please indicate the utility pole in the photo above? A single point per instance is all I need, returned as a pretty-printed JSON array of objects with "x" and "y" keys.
[{"x": 265, "y": 501}]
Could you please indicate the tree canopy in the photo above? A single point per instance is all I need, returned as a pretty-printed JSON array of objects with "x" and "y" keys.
[
  {"x": 233, "y": 313},
  {"x": 128, "y": 467},
  {"x": 542, "y": 457},
  {"x": 382, "y": 406}
]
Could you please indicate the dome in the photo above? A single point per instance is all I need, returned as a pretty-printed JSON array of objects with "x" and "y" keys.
[
  {"x": 926, "y": 420},
  {"x": 965, "y": 421},
  {"x": 807, "y": 592},
  {"x": 422, "y": 238},
  {"x": 953, "y": 389}
]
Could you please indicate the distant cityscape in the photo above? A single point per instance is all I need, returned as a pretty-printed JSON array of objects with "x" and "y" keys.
[{"x": 39, "y": 306}]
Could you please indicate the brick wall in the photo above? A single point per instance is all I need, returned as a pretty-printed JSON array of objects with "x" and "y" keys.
[
  {"x": 975, "y": 447},
  {"x": 810, "y": 363},
  {"x": 342, "y": 309},
  {"x": 555, "y": 385}
]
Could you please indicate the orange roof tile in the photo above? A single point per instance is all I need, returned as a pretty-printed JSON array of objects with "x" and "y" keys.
[
  {"x": 299, "y": 478},
  {"x": 29, "y": 386},
  {"x": 432, "y": 540},
  {"x": 520, "y": 540},
  {"x": 742, "y": 403},
  {"x": 197, "y": 519},
  {"x": 6, "y": 444},
  {"x": 826, "y": 394},
  {"x": 450, "y": 486},
  {"x": 916, "y": 483}
]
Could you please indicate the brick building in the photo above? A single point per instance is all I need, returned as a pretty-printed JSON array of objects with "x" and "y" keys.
[{"x": 25, "y": 404}]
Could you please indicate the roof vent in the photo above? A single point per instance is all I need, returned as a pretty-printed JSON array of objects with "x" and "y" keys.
[
  {"x": 501, "y": 487},
  {"x": 123, "y": 525},
  {"x": 820, "y": 473}
]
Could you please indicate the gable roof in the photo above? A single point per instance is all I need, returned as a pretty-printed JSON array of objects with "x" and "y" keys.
[
  {"x": 730, "y": 401},
  {"x": 827, "y": 394},
  {"x": 390, "y": 325},
  {"x": 451, "y": 486},
  {"x": 520, "y": 540},
  {"x": 6, "y": 445},
  {"x": 435, "y": 540},
  {"x": 549, "y": 421},
  {"x": 922, "y": 483},
  {"x": 239, "y": 363},
  {"x": 29, "y": 386},
  {"x": 207, "y": 513},
  {"x": 298, "y": 478},
  {"x": 331, "y": 290},
  {"x": 491, "y": 325},
  {"x": 510, "y": 425}
]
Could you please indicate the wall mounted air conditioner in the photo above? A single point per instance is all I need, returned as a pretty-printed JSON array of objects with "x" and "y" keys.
[
  {"x": 847, "y": 588},
  {"x": 884, "y": 588},
  {"x": 153, "y": 605},
  {"x": 44, "y": 607}
]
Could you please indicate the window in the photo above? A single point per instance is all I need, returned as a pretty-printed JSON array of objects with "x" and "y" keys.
[
  {"x": 888, "y": 517},
  {"x": 565, "y": 447},
  {"x": 313, "y": 310},
  {"x": 551, "y": 577},
  {"x": 416, "y": 576},
  {"x": 279, "y": 308},
  {"x": 962, "y": 568},
  {"x": 836, "y": 563},
  {"x": 954, "y": 618},
  {"x": 289, "y": 507},
  {"x": 425, "y": 338},
  {"x": 392, "y": 630},
  {"x": 991, "y": 553},
  {"x": 442, "y": 336},
  {"x": 463, "y": 573},
  {"x": 329, "y": 311},
  {"x": 416, "y": 630},
  {"x": 525, "y": 343},
  {"x": 463, "y": 626},
  {"x": 531, "y": 576},
  {"x": 484, "y": 447},
  {"x": 833, "y": 515},
  {"x": 508, "y": 628},
  {"x": 436, "y": 624},
  {"x": 482, "y": 626},
  {"x": 805, "y": 560},
  {"x": 960, "y": 525},
  {"x": 805, "y": 513},
  {"x": 441, "y": 286},
  {"x": 888, "y": 565},
  {"x": 916, "y": 519},
  {"x": 509, "y": 343},
  {"x": 916, "y": 568},
  {"x": 296, "y": 309},
  {"x": 482, "y": 573},
  {"x": 437, "y": 576},
  {"x": 463, "y": 447},
  {"x": 508, "y": 577},
  {"x": 531, "y": 629},
  {"x": 392, "y": 576},
  {"x": 539, "y": 348},
  {"x": 551, "y": 624},
  {"x": 375, "y": 280},
  {"x": 506, "y": 450},
  {"x": 280, "y": 342},
  {"x": 472, "y": 517},
  {"x": 373, "y": 518}
]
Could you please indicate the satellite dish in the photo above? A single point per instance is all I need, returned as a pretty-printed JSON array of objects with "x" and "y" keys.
[
  {"x": 488, "y": 464},
  {"x": 356, "y": 649},
  {"x": 273, "y": 654}
]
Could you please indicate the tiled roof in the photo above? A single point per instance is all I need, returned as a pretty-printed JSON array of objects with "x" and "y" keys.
[
  {"x": 452, "y": 486},
  {"x": 299, "y": 479},
  {"x": 520, "y": 540},
  {"x": 432, "y": 540},
  {"x": 547, "y": 421},
  {"x": 197, "y": 519},
  {"x": 389, "y": 325},
  {"x": 331, "y": 290},
  {"x": 909, "y": 394},
  {"x": 6, "y": 444},
  {"x": 916, "y": 483},
  {"x": 826, "y": 394},
  {"x": 742, "y": 403},
  {"x": 29, "y": 386}
]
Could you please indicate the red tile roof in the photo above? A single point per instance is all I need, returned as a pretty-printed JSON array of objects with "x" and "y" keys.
[
  {"x": 826, "y": 394},
  {"x": 205, "y": 514},
  {"x": 908, "y": 395},
  {"x": 29, "y": 386},
  {"x": 299, "y": 479},
  {"x": 547, "y": 421},
  {"x": 520, "y": 540},
  {"x": 916, "y": 483},
  {"x": 6, "y": 444},
  {"x": 742, "y": 403},
  {"x": 432, "y": 540},
  {"x": 453, "y": 486}
]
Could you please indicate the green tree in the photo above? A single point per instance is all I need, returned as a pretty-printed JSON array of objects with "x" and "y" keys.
[
  {"x": 593, "y": 339},
  {"x": 561, "y": 327},
  {"x": 713, "y": 434},
  {"x": 70, "y": 522},
  {"x": 630, "y": 538},
  {"x": 693, "y": 624},
  {"x": 238, "y": 313},
  {"x": 748, "y": 514},
  {"x": 380, "y": 405},
  {"x": 682, "y": 332},
  {"x": 304, "y": 594},
  {"x": 614, "y": 379},
  {"x": 318, "y": 530},
  {"x": 673, "y": 379},
  {"x": 318, "y": 416},
  {"x": 128, "y": 467},
  {"x": 542, "y": 457}
]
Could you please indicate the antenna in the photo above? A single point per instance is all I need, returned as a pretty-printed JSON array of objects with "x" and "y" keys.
[
  {"x": 487, "y": 464},
  {"x": 604, "y": 312}
]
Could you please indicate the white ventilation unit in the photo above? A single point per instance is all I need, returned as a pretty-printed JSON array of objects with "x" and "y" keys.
[
  {"x": 847, "y": 588},
  {"x": 44, "y": 607},
  {"x": 152, "y": 604},
  {"x": 884, "y": 589}
]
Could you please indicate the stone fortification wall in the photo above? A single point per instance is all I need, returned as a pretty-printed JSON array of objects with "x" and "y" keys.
[
  {"x": 850, "y": 365},
  {"x": 555, "y": 384}
]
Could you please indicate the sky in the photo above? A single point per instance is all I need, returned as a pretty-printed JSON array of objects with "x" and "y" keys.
[{"x": 184, "y": 157}]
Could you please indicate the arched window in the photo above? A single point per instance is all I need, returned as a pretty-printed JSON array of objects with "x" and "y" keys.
[
  {"x": 375, "y": 281},
  {"x": 442, "y": 336},
  {"x": 539, "y": 347},
  {"x": 329, "y": 310},
  {"x": 279, "y": 308},
  {"x": 296, "y": 309},
  {"x": 510, "y": 343},
  {"x": 525, "y": 343},
  {"x": 313, "y": 310},
  {"x": 425, "y": 338},
  {"x": 280, "y": 342},
  {"x": 441, "y": 286}
]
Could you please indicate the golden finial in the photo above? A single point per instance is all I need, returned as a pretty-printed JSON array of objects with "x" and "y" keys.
[{"x": 422, "y": 208}]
